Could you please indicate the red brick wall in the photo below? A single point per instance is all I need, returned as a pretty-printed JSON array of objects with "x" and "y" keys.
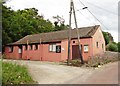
[
  {"x": 85, "y": 41},
  {"x": 44, "y": 54},
  {"x": 12, "y": 55},
  {"x": 50, "y": 56}
]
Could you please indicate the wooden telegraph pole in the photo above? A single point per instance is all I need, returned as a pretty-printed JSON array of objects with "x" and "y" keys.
[
  {"x": 78, "y": 36},
  {"x": 69, "y": 38}
]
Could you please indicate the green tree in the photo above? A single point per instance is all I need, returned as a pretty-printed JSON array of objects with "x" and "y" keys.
[
  {"x": 106, "y": 37},
  {"x": 59, "y": 23},
  {"x": 112, "y": 47},
  {"x": 17, "y": 24},
  {"x": 118, "y": 46}
]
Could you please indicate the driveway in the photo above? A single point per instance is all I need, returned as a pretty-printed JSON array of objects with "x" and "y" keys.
[{"x": 54, "y": 73}]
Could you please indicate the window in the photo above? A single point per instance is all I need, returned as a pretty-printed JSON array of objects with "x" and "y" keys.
[
  {"x": 11, "y": 49},
  {"x": 26, "y": 47},
  {"x": 36, "y": 47},
  {"x": 97, "y": 44},
  {"x": 20, "y": 49},
  {"x": 58, "y": 49},
  {"x": 86, "y": 48},
  {"x": 30, "y": 47},
  {"x": 73, "y": 41},
  {"x": 52, "y": 47}
]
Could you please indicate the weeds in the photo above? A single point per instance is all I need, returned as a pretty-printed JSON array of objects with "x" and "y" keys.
[{"x": 15, "y": 74}]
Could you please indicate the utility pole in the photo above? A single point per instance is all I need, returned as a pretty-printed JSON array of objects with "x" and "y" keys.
[
  {"x": 78, "y": 36},
  {"x": 69, "y": 38}
]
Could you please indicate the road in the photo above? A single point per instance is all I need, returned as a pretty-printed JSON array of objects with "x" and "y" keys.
[
  {"x": 108, "y": 74},
  {"x": 54, "y": 73}
]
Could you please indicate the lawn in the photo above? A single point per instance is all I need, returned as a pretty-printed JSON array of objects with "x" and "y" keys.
[{"x": 15, "y": 74}]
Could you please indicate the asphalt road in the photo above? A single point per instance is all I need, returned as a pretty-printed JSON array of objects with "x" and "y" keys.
[
  {"x": 53, "y": 73},
  {"x": 107, "y": 74}
]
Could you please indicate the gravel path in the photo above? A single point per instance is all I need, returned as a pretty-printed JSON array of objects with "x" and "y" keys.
[{"x": 52, "y": 73}]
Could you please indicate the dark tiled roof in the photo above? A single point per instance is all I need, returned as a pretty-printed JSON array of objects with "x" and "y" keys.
[{"x": 57, "y": 35}]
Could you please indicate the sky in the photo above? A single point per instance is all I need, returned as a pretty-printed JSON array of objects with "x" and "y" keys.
[{"x": 106, "y": 11}]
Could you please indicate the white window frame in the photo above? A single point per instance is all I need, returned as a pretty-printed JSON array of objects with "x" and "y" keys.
[
  {"x": 86, "y": 48},
  {"x": 52, "y": 47},
  {"x": 19, "y": 50}
]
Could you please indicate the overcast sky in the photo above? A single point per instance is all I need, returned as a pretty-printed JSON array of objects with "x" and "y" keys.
[{"x": 106, "y": 12}]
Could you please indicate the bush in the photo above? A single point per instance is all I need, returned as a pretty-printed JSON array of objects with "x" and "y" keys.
[
  {"x": 112, "y": 47},
  {"x": 76, "y": 63},
  {"x": 15, "y": 74},
  {"x": 118, "y": 46}
]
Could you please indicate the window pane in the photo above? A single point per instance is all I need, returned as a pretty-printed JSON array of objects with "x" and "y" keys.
[
  {"x": 50, "y": 47},
  {"x": 10, "y": 49},
  {"x": 36, "y": 47},
  {"x": 54, "y": 48},
  {"x": 97, "y": 44},
  {"x": 20, "y": 50},
  {"x": 58, "y": 49},
  {"x": 30, "y": 47},
  {"x": 85, "y": 48},
  {"x": 25, "y": 47}
]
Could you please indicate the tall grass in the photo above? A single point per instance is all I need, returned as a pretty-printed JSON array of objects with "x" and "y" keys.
[{"x": 15, "y": 74}]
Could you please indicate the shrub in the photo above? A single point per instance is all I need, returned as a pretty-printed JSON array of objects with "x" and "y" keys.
[
  {"x": 112, "y": 47},
  {"x": 118, "y": 46},
  {"x": 76, "y": 63}
]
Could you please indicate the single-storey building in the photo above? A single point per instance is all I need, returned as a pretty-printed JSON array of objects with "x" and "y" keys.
[{"x": 53, "y": 46}]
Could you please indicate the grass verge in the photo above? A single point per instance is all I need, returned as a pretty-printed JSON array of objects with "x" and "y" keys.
[{"x": 15, "y": 74}]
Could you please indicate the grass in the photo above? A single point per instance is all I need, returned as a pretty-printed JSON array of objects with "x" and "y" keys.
[
  {"x": 0, "y": 73},
  {"x": 15, "y": 74}
]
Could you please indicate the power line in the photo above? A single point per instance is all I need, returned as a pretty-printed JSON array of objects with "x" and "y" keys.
[
  {"x": 101, "y": 8},
  {"x": 93, "y": 15},
  {"x": 84, "y": 16}
]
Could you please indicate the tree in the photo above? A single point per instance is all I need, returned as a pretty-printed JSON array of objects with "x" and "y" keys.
[
  {"x": 17, "y": 24},
  {"x": 118, "y": 46},
  {"x": 112, "y": 47},
  {"x": 108, "y": 37},
  {"x": 59, "y": 23}
]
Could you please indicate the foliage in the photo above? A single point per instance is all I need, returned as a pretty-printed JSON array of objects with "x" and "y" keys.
[
  {"x": 118, "y": 46},
  {"x": 76, "y": 63},
  {"x": 106, "y": 37},
  {"x": 59, "y": 23},
  {"x": 17, "y": 24},
  {"x": 112, "y": 47},
  {"x": 15, "y": 74}
]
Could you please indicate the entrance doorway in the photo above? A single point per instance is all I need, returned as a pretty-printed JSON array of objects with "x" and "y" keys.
[{"x": 75, "y": 52}]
